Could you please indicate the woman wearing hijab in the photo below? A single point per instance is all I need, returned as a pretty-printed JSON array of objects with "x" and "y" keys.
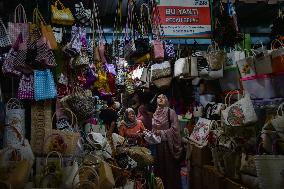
[
  {"x": 165, "y": 124},
  {"x": 130, "y": 127}
]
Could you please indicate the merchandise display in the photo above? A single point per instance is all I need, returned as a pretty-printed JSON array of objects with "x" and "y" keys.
[{"x": 140, "y": 96}]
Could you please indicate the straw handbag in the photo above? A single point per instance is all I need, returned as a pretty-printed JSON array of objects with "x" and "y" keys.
[
  {"x": 46, "y": 30},
  {"x": 61, "y": 16},
  {"x": 269, "y": 168},
  {"x": 240, "y": 113}
]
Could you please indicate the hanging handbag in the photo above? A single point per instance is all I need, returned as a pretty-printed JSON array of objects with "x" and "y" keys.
[
  {"x": 26, "y": 87},
  {"x": 263, "y": 63},
  {"x": 157, "y": 44},
  {"x": 215, "y": 57},
  {"x": 58, "y": 34},
  {"x": 83, "y": 105},
  {"x": 213, "y": 110},
  {"x": 15, "y": 114},
  {"x": 68, "y": 48},
  {"x": 197, "y": 110},
  {"x": 16, "y": 169},
  {"x": 182, "y": 67},
  {"x": 20, "y": 144},
  {"x": 160, "y": 70},
  {"x": 194, "y": 64},
  {"x": 161, "y": 74},
  {"x": 81, "y": 60},
  {"x": 278, "y": 121},
  {"x": 5, "y": 40},
  {"x": 61, "y": 16},
  {"x": 277, "y": 55},
  {"x": 20, "y": 25},
  {"x": 169, "y": 49},
  {"x": 246, "y": 66},
  {"x": 51, "y": 174},
  {"x": 41, "y": 124},
  {"x": 8, "y": 67},
  {"x": 83, "y": 15},
  {"x": 44, "y": 85},
  {"x": 199, "y": 61},
  {"x": 234, "y": 56},
  {"x": 46, "y": 30},
  {"x": 44, "y": 54},
  {"x": 240, "y": 113},
  {"x": 200, "y": 133},
  {"x": 158, "y": 50}
]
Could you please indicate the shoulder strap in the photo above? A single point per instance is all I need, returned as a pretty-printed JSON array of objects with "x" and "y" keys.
[{"x": 169, "y": 118}]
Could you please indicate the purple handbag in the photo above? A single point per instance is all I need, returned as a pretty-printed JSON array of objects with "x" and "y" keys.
[
  {"x": 19, "y": 26},
  {"x": 9, "y": 65},
  {"x": 169, "y": 49},
  {"x": 26, "y": 87},
  {"x": 90, "y": 77}
]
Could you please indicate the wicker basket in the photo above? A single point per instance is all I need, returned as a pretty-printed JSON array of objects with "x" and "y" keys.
[{"x": 268, "y": 169}]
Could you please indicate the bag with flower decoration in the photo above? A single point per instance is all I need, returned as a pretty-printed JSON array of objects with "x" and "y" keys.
[
  {"x": 246, "y": 66},
  {"x": 200, "y": 133},
  {"x": 26, "y": 87},
  {"x": 240, "y": 113}
]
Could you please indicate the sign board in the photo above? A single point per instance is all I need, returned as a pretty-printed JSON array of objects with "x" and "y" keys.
[{"x": 185, "y": 18}]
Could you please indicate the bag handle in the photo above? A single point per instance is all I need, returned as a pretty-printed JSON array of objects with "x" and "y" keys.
[
  {"x": 54, "y": 152},
  {"x": 258, "y": 42},
  {"x": 74, "y": 119},
  {"x": 229, "y": 95},
  {"x": 82, "y": 168},
  {"x": 60, "y": 3},
  {"x": 3, "y": 29},
  {"x": 232, "y": 146},
  {"x": 273, "y": 146},
  {"x": 280, "y": 110},
  {"x": 213, "y": 47},
  {"x": 274, "y": 42},
  {"x": 14, "y": 101},
  {"x": 19, "y": 14},
  {"x": 37, "y": 17}
]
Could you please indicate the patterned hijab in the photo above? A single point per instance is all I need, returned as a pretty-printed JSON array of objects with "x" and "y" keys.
[{"x": 126, "y": 121}]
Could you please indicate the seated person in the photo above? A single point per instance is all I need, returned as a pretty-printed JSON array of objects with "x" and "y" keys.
[{"x": 130, "y": 127}]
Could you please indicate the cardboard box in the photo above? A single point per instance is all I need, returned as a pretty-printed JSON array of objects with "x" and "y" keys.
[
  {"x": 200, "y": 156},
  {"x": 212, "y": 179}
]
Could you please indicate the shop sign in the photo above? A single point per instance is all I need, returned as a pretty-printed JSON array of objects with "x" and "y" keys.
[{"x": 185, "y": 18}]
